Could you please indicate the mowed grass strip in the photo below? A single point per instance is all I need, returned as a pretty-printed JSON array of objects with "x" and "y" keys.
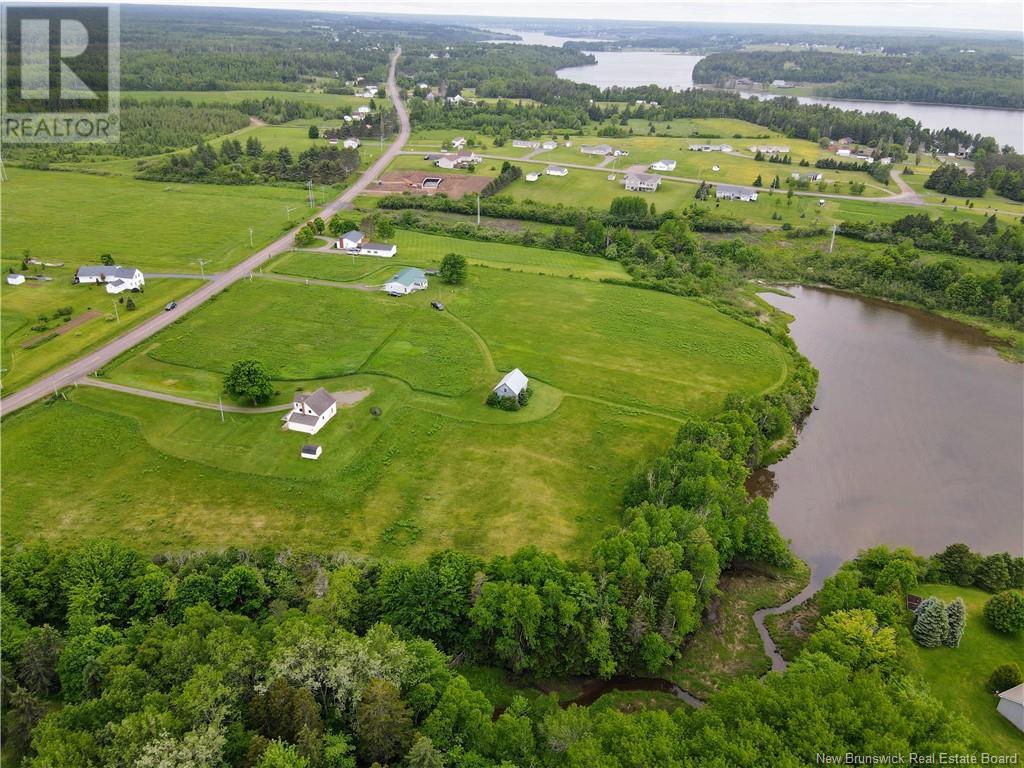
[{"x": 75, "y": 217}]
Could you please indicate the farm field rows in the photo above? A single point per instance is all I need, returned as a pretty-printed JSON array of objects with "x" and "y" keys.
[{"x": 437, "y": 467}]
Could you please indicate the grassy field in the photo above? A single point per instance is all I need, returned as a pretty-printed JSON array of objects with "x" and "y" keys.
[
  {"x": 958, "y": 675},
  {"x": 437, "y": 467},
  {"x": 330, "y": 100},
  {"x": 24, "y": 305},
  {"x": 75, "y": 217}
]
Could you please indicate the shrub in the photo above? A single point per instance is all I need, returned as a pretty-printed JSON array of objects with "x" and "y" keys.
[
  {"x": 956, "y": 619},
  {"x": 493, "y": 400},
  {"x": 524, "y": 397},
  {"x": 1004, "y": 677},
  {"x": 1005, "y": 612},
  {"x": 454, "y": 269},
  {"x": 509, "y": 404}
]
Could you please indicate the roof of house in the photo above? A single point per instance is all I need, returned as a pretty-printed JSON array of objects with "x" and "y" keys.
[
  {"x": 664, "y": 162},
  {"x": 1015, "y": 694},
  {"x": 319, "y": 401},
  {"x": 597, "y": 147},
  {"x": 376, "y": 246},
  {"x": 643, "y": 178},
  {"x": 733, "y": 190},
  {"x": 408, "y": 276},
  {"x": 354, "y": 234},
  {"x": 515, "y": 380},
  {"x": 555, "y": 168},
  {"x": 107, "y": 272}
]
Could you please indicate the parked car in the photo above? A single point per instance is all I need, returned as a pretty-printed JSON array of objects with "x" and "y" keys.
[
  {"x": 437, "y": 305},
  {"x": 170, "y": 305}
]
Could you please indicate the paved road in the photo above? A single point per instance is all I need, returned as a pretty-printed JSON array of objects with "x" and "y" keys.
[
  {"x": 347, "y": 397},
  {"x": 100, "y": 357}
]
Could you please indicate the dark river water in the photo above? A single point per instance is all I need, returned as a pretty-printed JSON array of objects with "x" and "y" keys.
[{"x": 917, "y": 440}]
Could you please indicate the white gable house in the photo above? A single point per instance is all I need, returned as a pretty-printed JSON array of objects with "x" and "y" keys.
[
  {"x": 512, "y": 384},
  {"x": 15, "y": 279},
  {"x": 663, "y": 165},
  {"x": 310, "y": 412},
  {"x": 350, "y": 143},
  {"x": 118, "y": 279},
  {"x": 556, "y": 170},
  {"x": 729, "y": 192},
  {"x": 642, "y": 182},
  {"x": 351, "y": 241},
  {"x": 386, "y": 250}
]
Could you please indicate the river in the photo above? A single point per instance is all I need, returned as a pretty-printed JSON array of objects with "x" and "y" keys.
[
  {"x": 674, "y": 70},
  {"x": 917, "y": 438}
]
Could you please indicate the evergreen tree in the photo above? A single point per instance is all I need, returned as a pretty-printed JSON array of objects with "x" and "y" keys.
[
  {"x": 758, "y": 182},
  {"x": 931, "y": 626},
  {"x": 956, "y": 617}
]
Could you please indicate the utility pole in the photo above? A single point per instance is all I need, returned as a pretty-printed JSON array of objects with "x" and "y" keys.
[
  {"x": 116, "y": 315},
  {"x": 832, "y": 244},
  {"x": 288, "y": 212},
  {"x": 202, "y": 270},
  {"x": 309, "y": 185},
  {"x": 220, "y": 400},
  {"x": 478, "y": 209},
  {"x": 250, "y": 237}
]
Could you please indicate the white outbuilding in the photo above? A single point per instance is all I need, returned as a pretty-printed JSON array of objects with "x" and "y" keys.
[
  {"x": 350, "y": 143},
  {"x": 512, "y": 384},
  {"x": 556, "y": 170},
  {"x": 351, "y": 240},
  {"x": 385, "y": 250},
  {"x": 15, "y": 279},
  {"x": 310, "y": 412},
  {"x": 1011, "y": 705},
  {"x": 663, "y": 165}
]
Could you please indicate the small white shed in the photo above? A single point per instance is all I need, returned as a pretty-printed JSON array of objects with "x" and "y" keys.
[
  {"x": 1011, "y": 705},
  {"x": 512, "y": 384}
]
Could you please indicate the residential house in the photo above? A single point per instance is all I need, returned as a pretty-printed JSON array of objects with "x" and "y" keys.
[
  {"x": 729, "y": 192},
  {"x": 1011, "y": 705},
  {"x": 385, "y": 250},
  {"x": 458, "y": 142},
  {"x": 332, "y": 142},
  {"x": 409, "y": 280},
  {"x": 596, "y": 149},
  {"x": 532, "y": 176},
  {"x": 15, "y": 279},
  {"x": 456, "y": 160},
  {"x": 351, "y": 240},
  {"x": 844, "y": 152},
  {"x": 456, "y": 99},
  {"x": 663, "y": 165},
  {"x": 512, "y": 384},
  {"x": 556, "y": 170},
  {"x": 117, "y": 279},
  {"x": 711, "y": 148},
  {"x": 423, "y": 86},
  {"x": 642, "y": 182},
  {"x": 769, "y": 149},
  {"x": 525, "y": 144},
  {"x": 363, "y": 110},
  {"x": 885, "y": 160},
  {"x": 310, "y": 412},
  {"x": 781, "y": 84},
  {"x": 549, "y": 144},
  {"x": 349, "y": 143}
]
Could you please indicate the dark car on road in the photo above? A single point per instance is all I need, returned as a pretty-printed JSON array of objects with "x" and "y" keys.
[
  {"x": 437, "y": 305},
  {"x": 170, "y": 305}
]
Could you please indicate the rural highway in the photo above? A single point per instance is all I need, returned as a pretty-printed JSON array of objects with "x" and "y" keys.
[{"x": 100, "y": 357}]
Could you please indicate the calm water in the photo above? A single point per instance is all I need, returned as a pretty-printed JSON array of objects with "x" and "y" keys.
[
  {"x": 670, "y": 70},
  {"x": 918, "y": 439}
]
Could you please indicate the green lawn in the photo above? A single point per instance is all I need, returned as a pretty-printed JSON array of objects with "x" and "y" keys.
[
  {"x": 613, "y": 370},
  {"x": 958, "y": 675},
  {"x": 23, "y": 305},
  {"x": 75, "y": 217}
]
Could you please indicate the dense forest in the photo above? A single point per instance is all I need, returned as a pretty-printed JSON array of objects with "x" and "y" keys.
[
  {"x": 1002, "y": 172},
  {"x": 945, "y": 77}
]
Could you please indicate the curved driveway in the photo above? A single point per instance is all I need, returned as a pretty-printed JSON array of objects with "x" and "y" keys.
[{"x": 100, "y": 357}]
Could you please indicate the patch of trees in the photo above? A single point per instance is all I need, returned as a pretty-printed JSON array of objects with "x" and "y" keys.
[
  {"x": 958, "y": 564},
  {"x": 989, "y": 79},
  {"x": 985, "y": 241},
  {"x": 1003, "y": 173},
  {"x": 877, "y": 171},
  {"x": 952, "y": 180},
  {"x": 509, "y": 173},
  {"x": 454, "y": 269},
  {"x": 235, "y": 164},
  {"x": 1005, "y": 612},
  {"x": 249, "y": 380}
]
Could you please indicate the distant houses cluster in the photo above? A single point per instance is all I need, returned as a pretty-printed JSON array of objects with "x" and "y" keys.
[{"x": 710, "y": 148}]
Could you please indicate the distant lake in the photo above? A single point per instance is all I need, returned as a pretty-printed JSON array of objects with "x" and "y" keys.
[
  {"x": 673, "y": 70},
  {"x": 917, "y": 441}
]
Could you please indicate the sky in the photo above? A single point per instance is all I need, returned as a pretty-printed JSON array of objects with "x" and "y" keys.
[{"x": 1000, "y": 15}]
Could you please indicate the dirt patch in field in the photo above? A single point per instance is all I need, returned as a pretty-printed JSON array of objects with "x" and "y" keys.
[
  {"x": 61, "y": 330},
  {"x": 453, "y": 185}
]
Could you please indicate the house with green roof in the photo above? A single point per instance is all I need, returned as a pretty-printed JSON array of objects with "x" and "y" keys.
[{"x": 408, "y": 280}]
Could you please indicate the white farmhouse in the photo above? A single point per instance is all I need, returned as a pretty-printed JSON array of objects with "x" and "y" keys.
[
  {"x": 350, "y": 143},
  {"x": 310, "y": 412},
  {"x": 549, "y": 144},
  {"x": 409, "y": 280},
  {"x": 451, "y": 160},
  {"x": 532, "y": 176},
  {"x": 642, "y": 182},
  {"x": 458, "y": 142},
  {"x": 118, "y": 279},
  {"x": 363, "y": 110},
  {"x": 663, "y": 165},
  {"x": 556, "y": 170},
  {"x": 525, "y": 144},
  {"x": 512, "y": 384},
  {"x": 729, "y": 192},
  {"x": 386, "y": 250},
  {"x": 1011, "y": 705},
  {"x": 845, "y": 152},
  {"x": 596, "y": 149},
  {"x": 14, "y": 279},
  {"x": 351, "y": 240}
]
